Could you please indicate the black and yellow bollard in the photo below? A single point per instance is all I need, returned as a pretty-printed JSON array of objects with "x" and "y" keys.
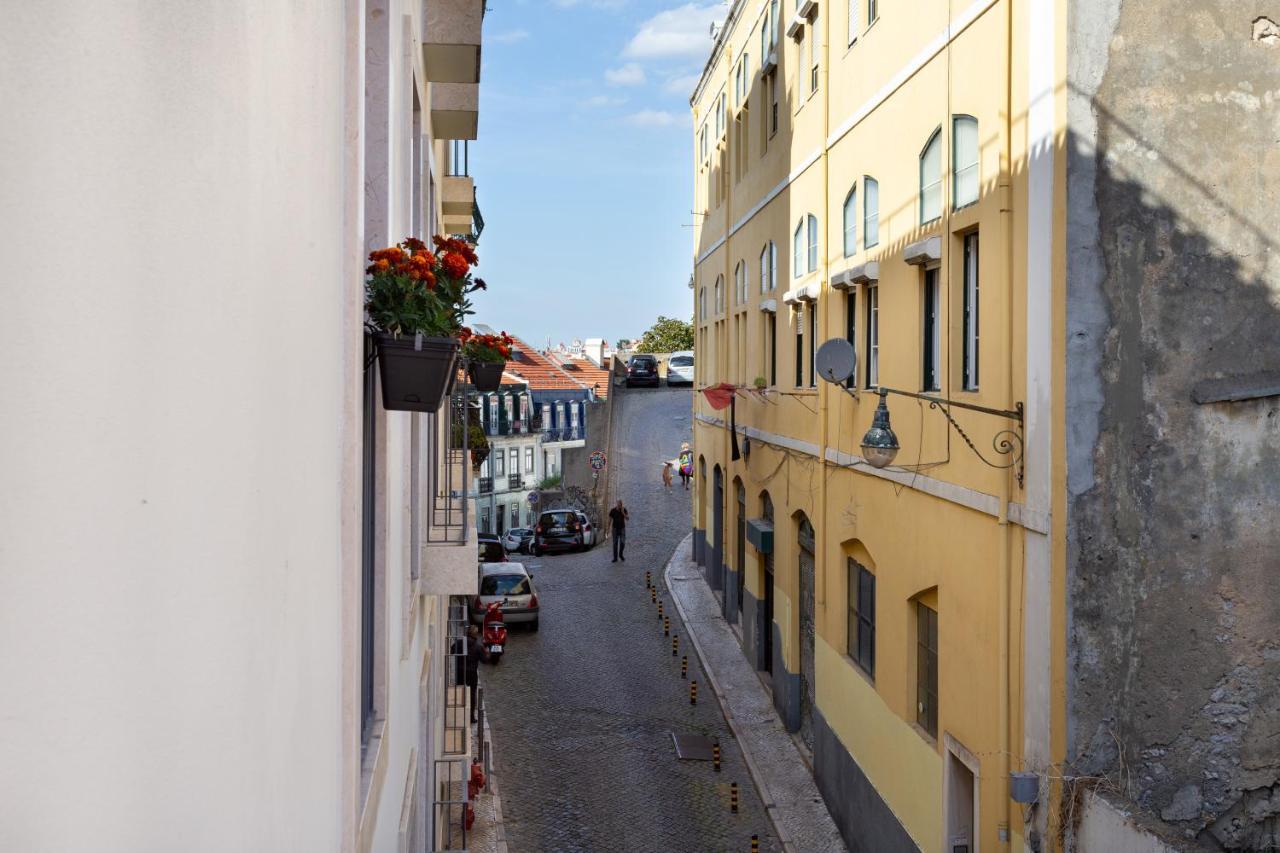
[
  {"x": 653, "y": 595},
  {"x": 666, "y": 626},
  {"x": 684, "y": 667},
  {"x": 648, "y": 581},
  {"x": 755, "y": 844},
  {"x": 715, "y": 757},
  {"x": 733, "y": 797},
  {"x": 659, "y": 608},
  {"x": 693, "y": 692},
  {"x": 675, "y": 645}
]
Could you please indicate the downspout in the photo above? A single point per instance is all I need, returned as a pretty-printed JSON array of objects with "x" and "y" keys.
[
  {"x": 1006, "y": 531},
  {"x": 824, "y": 318}
]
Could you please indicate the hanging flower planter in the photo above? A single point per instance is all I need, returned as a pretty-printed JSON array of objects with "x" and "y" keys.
[
  {"x": 487, "y": 376},
  {"x": 478, "y": 455},
  {"x": 416, "y": 372}
]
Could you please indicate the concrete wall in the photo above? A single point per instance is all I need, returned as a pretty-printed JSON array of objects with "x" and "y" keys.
[{"x": 1174, "y": 280}]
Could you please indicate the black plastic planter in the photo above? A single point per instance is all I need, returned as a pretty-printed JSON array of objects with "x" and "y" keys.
[
  {"x": 415, "y": 379},
  {"x": 486, "y": 376}
]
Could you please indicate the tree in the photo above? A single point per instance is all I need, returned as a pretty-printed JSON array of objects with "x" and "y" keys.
[
  {"x": 667, "y": 335},
  {"x": 624, "y": 343}
]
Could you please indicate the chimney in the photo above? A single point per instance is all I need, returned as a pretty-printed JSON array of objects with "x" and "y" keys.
[{"x": 593, "y": 349}]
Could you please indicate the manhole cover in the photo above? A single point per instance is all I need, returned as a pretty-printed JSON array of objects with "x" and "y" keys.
[{"x": 692, "y": 747}]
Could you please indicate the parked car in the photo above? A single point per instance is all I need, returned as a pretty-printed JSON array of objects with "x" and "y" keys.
[
  {"x": 491, "y": 550},
  {"x": 643, "y": 370},
  {"x": 557, "y": 530},
  {"x": 511, "y": 586},
  {"x": 518, "y": 539},
  {"x": 588, "y": 531},
  {"x": 680, "y": 369}
]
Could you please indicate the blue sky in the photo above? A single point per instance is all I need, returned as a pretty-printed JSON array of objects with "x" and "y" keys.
[{"x": 583, "y": 165}]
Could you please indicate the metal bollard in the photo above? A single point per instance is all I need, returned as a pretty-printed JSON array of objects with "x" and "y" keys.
[
  {"x": 715, "y": 757},
  {"x": 653, "y": 595},
  {"x": 675, "y": 645},
  {"x": 659, "y": 608},
  {"x": 755, "y": 844},
  {"x": 648, "y": 581},
  {"x": 666, "y": 626},
  {"x": 684, "y": 667},
  {"x": 733, "y": 797},
  {"x": 693, "y": 692}
]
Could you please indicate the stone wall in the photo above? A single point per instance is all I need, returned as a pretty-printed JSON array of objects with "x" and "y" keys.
[{"x": 1173, "y": 303}]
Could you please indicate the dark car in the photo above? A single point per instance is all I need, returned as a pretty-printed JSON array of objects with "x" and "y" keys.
[
  {"x": 557, "y": 530},
  {"x": 491, "y": 550},
  {"x": 642, "y": 370}
]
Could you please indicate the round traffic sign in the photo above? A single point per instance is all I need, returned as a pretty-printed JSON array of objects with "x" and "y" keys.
[
  {"x": 533, "y": 497},
  {"x": 598, "y": 460}
]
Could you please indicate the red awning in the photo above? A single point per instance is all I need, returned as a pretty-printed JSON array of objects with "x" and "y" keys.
[{"x": 720, "y": 396}]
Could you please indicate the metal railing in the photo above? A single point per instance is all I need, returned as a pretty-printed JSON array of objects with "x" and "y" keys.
[
  {"x": 449, "y": 803},
  {"x": 484, "y": 485},
  {"x": 564, "y": 434},
  {"x": 514, "y": 481},
  {"x": 449, "y": 473},
  {"x": 455, "y": 678},
  {"x": 459, "y": 154}
]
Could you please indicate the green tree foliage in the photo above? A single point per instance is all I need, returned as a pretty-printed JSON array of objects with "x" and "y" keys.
[{"x": 668, "y": 334}]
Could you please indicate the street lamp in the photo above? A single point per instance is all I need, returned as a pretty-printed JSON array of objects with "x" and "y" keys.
[{"x": 880, "y": 444}]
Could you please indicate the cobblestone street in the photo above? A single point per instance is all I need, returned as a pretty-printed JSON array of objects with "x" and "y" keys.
[{"x": 583, "y": 711}]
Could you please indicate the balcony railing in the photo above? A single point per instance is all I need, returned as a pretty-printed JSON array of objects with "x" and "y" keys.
[
  {"x": 514, "y": 481},
  {"x": 450, "y": 468},
  {"x": 484, "y": 484},
  {"x": 564, "y": 434}
]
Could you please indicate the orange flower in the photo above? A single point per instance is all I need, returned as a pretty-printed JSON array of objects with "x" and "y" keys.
[{"x": 454, "y": 264}]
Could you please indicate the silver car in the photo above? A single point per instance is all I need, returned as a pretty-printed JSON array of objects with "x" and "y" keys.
[
  {"x": 680, "y": 369},
  {"x": 510, "y": 585}
]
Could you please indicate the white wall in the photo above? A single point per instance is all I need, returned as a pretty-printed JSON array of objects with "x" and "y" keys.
[{"x": 174, "y": 320}]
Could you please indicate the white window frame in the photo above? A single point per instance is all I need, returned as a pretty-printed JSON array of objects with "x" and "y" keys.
[
  {"x": 931, "y": 179},
  {"x": 851, "y": 222},
  {"x": 961, "y": 171},
  {"x": 812, "y": 222},
  {"x": 853, "y": 21},
  {"x": 719, "y": 294},
  {"x": 870, "y": 212},
  {"x": 797, "y": 250},
  {"x": 873, "y": 11},
  {"x": 970, "y": 309},
  {"x": 813, "y": 56},
  {"x": 872, "y": 296}
]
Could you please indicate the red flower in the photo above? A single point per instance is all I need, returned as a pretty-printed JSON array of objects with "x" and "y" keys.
[{"x": 454, "y": 264}]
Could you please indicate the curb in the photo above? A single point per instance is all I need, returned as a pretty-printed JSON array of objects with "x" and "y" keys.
[
  {"x": 499, "y": 830},
  {"x": 757, "y": 777}
]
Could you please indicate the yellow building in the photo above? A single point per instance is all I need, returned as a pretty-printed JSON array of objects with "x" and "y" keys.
[{"x": 862, "y": 172}]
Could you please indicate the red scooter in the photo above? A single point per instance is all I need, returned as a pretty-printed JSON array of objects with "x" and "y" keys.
[{"x": 494, "y": 631}]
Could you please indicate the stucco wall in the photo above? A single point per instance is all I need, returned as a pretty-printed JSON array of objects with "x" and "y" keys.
[{"x": 1173, "y": 279}]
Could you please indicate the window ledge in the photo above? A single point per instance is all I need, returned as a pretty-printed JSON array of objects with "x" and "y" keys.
[
  {"x": 924, "y": 735},
  {"x": 796, "y": 26}
]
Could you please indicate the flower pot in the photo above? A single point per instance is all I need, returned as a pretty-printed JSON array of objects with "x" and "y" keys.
[
  {"x": 478, "y": 455},
  {"x": 486, "y": 376},
  {"x": 415, "y": 378}
]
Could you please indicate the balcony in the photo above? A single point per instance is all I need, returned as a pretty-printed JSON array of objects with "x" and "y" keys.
[
  {"x": 457, "y": 200},
  {"x": 455, "y": 110},
  {"x": 514, "y": 482},
  {"x": 565, "y": 434},
  {"x": 453, "y": 53},
  {"x": 448, "y": 565},
  {"x": 484, "y": 485}
]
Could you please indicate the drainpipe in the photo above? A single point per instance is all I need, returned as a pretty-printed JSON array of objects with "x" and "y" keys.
[
  {"x": 824, "y": 290},
  {"x": 1006, "y": 531}
]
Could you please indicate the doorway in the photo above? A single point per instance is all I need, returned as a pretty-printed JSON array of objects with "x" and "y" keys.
[
  {"x": 717, "y": 532},
  {"x": 741, "y": 563},
  {"x": 805, "y": 572},
  {"x": 961, "y": 799},
  {"x": 766, "y": 581}
]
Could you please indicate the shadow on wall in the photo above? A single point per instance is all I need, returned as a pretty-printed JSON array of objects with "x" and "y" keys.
[{"x": 1173, "y": 283}]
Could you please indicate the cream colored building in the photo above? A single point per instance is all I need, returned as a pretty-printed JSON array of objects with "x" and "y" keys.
[{"x": 226, "y": 572}]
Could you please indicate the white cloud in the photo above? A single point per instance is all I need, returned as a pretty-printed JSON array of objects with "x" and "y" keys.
[
  {"x": 604, "y": 101},
  {"x": 652, "y": 118},
  {"x": 682, "y": 85},
  {"x": 683, "y": 32},
  {"x": 627, "y": 75},
  {"x": 508, "y": 37}
]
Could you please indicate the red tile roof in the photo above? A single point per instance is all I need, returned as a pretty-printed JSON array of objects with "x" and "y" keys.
[
  {"x": 540, "y": 372},
  {"x": 587, "y": 372}
]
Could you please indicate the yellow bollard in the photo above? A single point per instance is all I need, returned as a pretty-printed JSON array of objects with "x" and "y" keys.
[
  {"x": 648, "y": 581},
  {"x": 653, "y": 595},
  {"x": 715, "y": 757},
  {"x": 659, "y": 608},
  {"x": 693, "y": 692},
  {"x": 684, "y": 667},
  {"x": 675, "y": 645},
  {"x": 666, "y": 626},
  {"x": 733, "y": 797},
  {"x": 755, "y": 844}
]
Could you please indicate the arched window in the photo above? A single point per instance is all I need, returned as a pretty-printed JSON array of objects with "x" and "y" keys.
[
  {"x": 702, "y": 303},
  {"x": 797, "y": 251},
  {"x": 719, "y": 294},
  {"x": 851, "y": 221},
  {"x": 931, "y": 179},
  {"x": 813, "y": 242},
  {"x": 870, "y": 212},
  {"x": 964, "y": 155},
  {"x": 764, "y": 269},
  {"x": 740, "y": 283}
]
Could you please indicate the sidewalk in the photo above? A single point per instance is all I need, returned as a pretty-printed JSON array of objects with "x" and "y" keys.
[
  {"x": 487, "y": 835},
  {"x": 786, "y": 785}
]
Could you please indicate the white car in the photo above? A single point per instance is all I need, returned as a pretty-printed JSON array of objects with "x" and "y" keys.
[
  {"x": 680, "y": 369},
  {"x": 588, "y": 531}
]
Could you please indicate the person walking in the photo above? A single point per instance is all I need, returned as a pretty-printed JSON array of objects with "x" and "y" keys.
[
  {"x": 686, "y": 465},
  {"x": 666, "y": 474},
  {"x": 618, "y": 525},
  {"x": 475, "y": 652}
]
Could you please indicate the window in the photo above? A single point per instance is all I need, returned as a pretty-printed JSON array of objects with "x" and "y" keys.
[
  {"x": 932, "y": 331},
  {"x": 514, "y": 461},
  {"x": 797, "y": 252},
  {"x": 499, "y": 464},
  {"x": 773, "y": 21},
  {"x": 813, "y": 57},
  {"x": 931, "y": 179},
  {"x": 873, "y": 11},
  {"x": 861, "y": 641},
  {"x": 702, "y": 303},
  {"x": 764, "y": 269},
  {"x": 773, "y": 102},
  {"x": 740, "y": 283},
  {"x": 927, "y": 668},
  {"x": 797, "y": 319},
  {"x": 773, "y": 348},
  {"x": 873, "y": 337},
  {"x": 964, "y": 153},
  {"x": 528, "y": 460},
  {"x": 813, "y": 242},
  {"x": 870, "y": 212},
  {"x": 851, "y": 221},
  {"x": 720, "y": 114},
  {"x": 970, "y": 356},
  {"x": 702, "y": 144},
  {"x": 773, "y": 266},
  {"x": 515, "y": 516},
  {"x": 850, "y": 329},
  {"x": 765, "y": 43},
  {"x": 719, "y": 293},
  {"x": 812, "y": 310},
  {"x": 853, "y": 21}
]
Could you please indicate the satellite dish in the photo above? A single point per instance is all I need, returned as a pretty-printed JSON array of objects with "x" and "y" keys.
[{"x": 836, "y": 360}]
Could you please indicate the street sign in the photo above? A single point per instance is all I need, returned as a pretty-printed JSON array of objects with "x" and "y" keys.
[
  {"x": 533, "y": 497},
  {"x": 598, "y": 460}
]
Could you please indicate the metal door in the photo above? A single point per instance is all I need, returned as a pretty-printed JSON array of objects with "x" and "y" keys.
[{"x": 806, "y": 571}]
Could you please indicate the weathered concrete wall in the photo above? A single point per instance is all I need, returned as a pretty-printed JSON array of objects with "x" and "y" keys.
[{"x": 1173, "y": 278}]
